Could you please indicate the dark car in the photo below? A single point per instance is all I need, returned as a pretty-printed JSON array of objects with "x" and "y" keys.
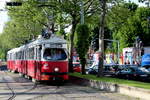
[
  {"x": 133, "y": 72},
  {"x": 93, "y": 70},
  {"x": 108, "y": 70},
  {"x": 76, "y": 67}
]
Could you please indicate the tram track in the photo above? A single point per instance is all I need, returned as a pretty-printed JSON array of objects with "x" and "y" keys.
[
  {"x": 12, "y": 85},
  {"x": 11, "y": 89}
]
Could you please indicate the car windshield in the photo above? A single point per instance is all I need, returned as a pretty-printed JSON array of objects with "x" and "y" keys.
[
  {"x": 76, "y": 65},
  {"x": 54, "y": 54}
]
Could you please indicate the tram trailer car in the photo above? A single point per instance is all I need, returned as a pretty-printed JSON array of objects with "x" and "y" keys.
[{"x": 42, "y": 60}]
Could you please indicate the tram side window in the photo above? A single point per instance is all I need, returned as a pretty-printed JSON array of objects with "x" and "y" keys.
[
  {"x": 10, "y": 56},
  {"x": 19, "y": 55},
  {"x": 23, "y": 56},
  {"x": 31, "y": 53},
  {"x": 13, "y": 56},
  {"x": 26, "y": 54},
  {"x": 39, "y": 54},
  {"x": 16, "y": 55}
]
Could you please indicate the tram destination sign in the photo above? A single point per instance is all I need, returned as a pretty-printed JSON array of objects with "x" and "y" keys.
[{"x": 54, "y": 45}]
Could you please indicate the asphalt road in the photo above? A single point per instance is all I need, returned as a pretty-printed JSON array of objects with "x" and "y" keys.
[{"x": 14, "y": 87}]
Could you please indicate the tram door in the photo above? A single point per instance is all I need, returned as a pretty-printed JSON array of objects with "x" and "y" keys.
[{"x": 37, "y": 62}]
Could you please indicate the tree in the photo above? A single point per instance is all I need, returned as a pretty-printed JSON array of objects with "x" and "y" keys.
[
  {"x": 130, "y": 6},
  {"x": 142, "y": 16},
  {"x": 117, "y": 20},
  {"x": 103, "y": 6},
  {"x": 135, "y": 25},
  {"x": 72, "y": 8},
  {"x": 101, "y": 36},
  {"x": 25, "y": 23},
  {"x": 83, "y": 44}
]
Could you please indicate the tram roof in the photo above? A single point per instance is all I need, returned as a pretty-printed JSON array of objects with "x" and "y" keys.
[
  {"x": 13, "y": 50},
  {"x": 52, "y": 40}
]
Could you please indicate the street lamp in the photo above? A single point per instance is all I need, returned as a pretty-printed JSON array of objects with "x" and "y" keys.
[
  {"x": 82, "y": 12},
  {"x": 117, "y": 41}
]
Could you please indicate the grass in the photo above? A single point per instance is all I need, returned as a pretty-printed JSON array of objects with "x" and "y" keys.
[{"x": 114, "y": 80}]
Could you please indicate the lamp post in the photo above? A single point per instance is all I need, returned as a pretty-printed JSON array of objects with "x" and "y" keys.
[
  {"x": 82, "y": 12},
  {"x": 117, "y": 41}
]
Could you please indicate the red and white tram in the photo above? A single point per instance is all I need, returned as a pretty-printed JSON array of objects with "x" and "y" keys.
[{"x": 42, "y": 59}]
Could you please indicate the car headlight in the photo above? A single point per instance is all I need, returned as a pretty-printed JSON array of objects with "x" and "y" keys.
[{"x": 56, "y": 69}]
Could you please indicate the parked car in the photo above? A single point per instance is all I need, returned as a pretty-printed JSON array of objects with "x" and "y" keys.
[
  {"x": 108, "y": 70},
  {"x": 76, "y": 67},
  {"x": 135, "y": 73}
]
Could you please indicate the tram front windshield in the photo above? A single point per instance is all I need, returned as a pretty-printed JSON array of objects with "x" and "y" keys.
[{"x": 54, "y": 54}]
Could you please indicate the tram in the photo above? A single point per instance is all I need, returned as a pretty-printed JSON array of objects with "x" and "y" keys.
[{"x": 42, "y": 60}]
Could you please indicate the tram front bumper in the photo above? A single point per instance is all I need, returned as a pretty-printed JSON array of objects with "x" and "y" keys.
[{"x": 54, "y": 76}]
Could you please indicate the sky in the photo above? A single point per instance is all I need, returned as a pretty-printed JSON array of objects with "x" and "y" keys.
[
  {"x": 3, "y": 14},
  {"x": 4, "y": 17}
]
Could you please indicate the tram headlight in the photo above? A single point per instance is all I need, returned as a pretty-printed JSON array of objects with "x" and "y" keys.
[{"x": 56, "y": 69}]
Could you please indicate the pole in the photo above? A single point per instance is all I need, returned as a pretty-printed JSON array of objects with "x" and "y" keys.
[
  {"x": 118, "y": 52},
  {"x": 82, "y": 12}
]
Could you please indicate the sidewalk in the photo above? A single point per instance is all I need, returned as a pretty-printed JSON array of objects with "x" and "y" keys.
[{"x": 142, "y": 94}]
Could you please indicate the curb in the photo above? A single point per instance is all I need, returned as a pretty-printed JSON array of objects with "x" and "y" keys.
[{"x": 111, "y": 87}]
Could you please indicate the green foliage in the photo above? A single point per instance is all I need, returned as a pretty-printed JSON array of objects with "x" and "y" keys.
[
  {"x": 82, "y": 40},
  {"x": 131, "y": 6},
  {"x": 127, "y": 22},
  {"x": 136, "y": 26},
  {"x": 82, "y": 44},
  {"x": 142, "y": 15},
  {"x": 117, "y": 17}
]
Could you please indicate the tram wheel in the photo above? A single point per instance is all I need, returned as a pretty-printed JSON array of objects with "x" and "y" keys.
[
  {"x": 9, "y": 70},
  {"x": 12, "y": 71},
  {"x": 26, "y": 76},
  {"x": 20, "y": 74},
  {"x": 34, "y": 80}
]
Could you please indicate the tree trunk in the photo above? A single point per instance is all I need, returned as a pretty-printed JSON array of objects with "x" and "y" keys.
[
  {"x": 83, "y": 62},
  {"x": 101, "y": 37}
]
